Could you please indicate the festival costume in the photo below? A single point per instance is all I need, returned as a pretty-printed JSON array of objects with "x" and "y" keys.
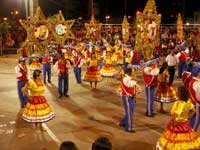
[
  {"x": 193, "y": 86},
  {"x": 92, "y": 73},
  {"x": 128, "y": 86},
  {"x": 35, "y": 64},
  {"x": 46, "y": 68},
  {"x": 179, "y": 136},
  {"x": 108, "y": 70},
  {"x": 195, "y": 70},
  {"x": 63, "y": 77},
  {"x": 119, "y": 88},
  {"x": 164, "y": 92},
  {"x": 135, "y": 60},
  {"x": 78, "y": 61},
  {"x": 150, "y": 79},
  {"x": 118, "y": 55},
  {"x": 22, "y": 78},
  {"x": 182, "y": 57},
  {"x": 37, "y": 110}
]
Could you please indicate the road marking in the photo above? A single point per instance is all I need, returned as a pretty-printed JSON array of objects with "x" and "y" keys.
[{"x": 51, "y": 134}]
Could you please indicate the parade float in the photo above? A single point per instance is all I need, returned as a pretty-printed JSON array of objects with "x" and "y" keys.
[
  {"x": 93, "y": 29},
  {"x": 148, "y": 25},
  {"x": 41, "y": 32},
  {"x": 125, "y": 29},
  {"x": 179, "y": 28},
  {"x": 61, "y": 28}
]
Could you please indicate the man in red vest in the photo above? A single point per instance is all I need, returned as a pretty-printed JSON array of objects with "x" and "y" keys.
[
  {"x": 193, "y": 86},
  {"x": 128, "y": 85},
  {"x": 182, "y": 66},
  {"x": 63, "y": 76},
  {"x": 46, "y": 66},
  {"x": 22, "y": 72},
  {"x": 78, "y": 61},
  {"x": 150, "y": 79}
]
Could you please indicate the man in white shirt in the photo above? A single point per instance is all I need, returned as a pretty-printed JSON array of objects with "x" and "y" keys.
[{"x": 172, "y": 61}]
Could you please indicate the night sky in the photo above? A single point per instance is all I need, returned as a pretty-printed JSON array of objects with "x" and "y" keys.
[{"x": 114, "y": 8}]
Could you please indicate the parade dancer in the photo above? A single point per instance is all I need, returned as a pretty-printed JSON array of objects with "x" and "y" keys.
[
  {"x": 128, "y": 86},
  {"x": 178, "y": 135},
  {"x": 37, "y": 110},
  {"x": 135, "y": 58},
  {"x": 182, "y": 58},
  {"x": 193, "y": 85},
  {"x": 22, "y": 72},
  {"x": 63, "y": 66},
  {"x": 150, "y": 79},
  {"x": 92, "y": 73},
  {"x": 78, "y": 62},
  {"x": 46, "y": 67},
  {"x": 108, "y": 70},
  {"x": 164, "y": 93}
]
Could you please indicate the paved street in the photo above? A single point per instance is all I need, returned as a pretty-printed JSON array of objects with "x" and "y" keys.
[{"x": 84, "y": 116}]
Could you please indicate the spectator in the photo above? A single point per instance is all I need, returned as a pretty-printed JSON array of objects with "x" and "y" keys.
[
  {"x": 102, "y": 143},
  {"x": 68, "y": 145}
]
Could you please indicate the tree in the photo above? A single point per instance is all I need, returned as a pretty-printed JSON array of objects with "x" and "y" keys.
[{"x": 4, "y": 27}]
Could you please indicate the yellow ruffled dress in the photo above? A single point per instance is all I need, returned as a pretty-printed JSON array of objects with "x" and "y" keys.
[
  {"x": 108, "y": 70},
  {"x": 179, "y": 135},
  {"x": 92, "y": 73},
  {"x": 35, "y": 64},
  {"x": 164, "y": 92},
  {"x": 37, "y": 109}
]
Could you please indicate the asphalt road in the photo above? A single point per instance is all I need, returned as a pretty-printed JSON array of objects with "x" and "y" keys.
[{"x": 81, "y": 118}]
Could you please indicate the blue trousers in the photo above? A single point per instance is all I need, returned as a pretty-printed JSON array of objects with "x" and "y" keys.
[
  {"x": 23, "y": 99},
  {"x": 63, "y": 84},
  {"x": 46, "y": 71},
  {"x": 129, "y": 105},
  {"x": 182, "y": 66},
  {"x": 77, "y": 73},
  {"x": 195, "y": 119},
  {"x": 150, "y": 98}
]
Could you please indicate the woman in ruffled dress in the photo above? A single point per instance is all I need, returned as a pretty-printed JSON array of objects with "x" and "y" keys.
[
  {"x": 37, "y": 110},
  {"x": 179, "y": 135},
  {"x": 164, "y": 92},
  {"x": 108, "y": 69},
  {"x": 92, "y": 73}
]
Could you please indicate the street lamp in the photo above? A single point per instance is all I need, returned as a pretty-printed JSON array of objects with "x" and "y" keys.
[
  {"x": 5, "y": 19},
  {"x": 107, "y": 18}
]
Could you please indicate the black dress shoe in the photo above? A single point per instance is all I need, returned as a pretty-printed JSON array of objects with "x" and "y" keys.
[
  {"x": 59, "y": 96},
  {"x": 66, "y": 95},
  {"x": 49, "y": 81},
  {"x": 131, "y": 131},
  {"x": 121, "y": 125},
  {"x": 151, "y": 115}
]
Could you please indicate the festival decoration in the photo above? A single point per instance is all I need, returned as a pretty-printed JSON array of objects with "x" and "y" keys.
[
  {"x": 38, "y": 32},
  {"x": 198, "y": 39},
  {"x": 61, "y": 28},
  {"x": 148, "y": 24},
  {"x": 93, "y": 29},
  {"x": 179, "y": 27},
  {"x": 125, "y": 29}
]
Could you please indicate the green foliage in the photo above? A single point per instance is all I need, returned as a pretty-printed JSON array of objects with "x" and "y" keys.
[{"x": 4, "y": 27}]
